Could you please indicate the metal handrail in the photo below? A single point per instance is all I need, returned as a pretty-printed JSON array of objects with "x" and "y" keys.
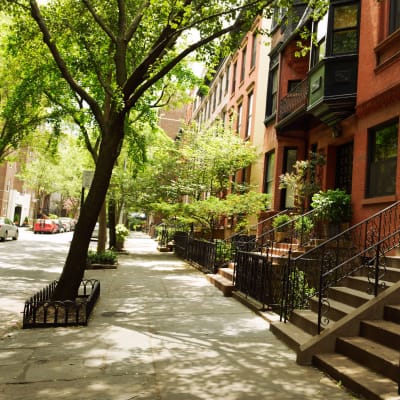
[
  {"x": 361, "y": 247},
  {"x": 227, "y": 248}
]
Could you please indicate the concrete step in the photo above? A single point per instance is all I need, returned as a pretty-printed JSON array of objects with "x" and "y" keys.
[
  {"x": 390, "y": 273},
  {"x": 225, "y": 285},
  {"x": 375, "y": 356},
  {"x": 356, "y": 377},
  {"x": 349, "y": 296},
  {"x": 392, "y": 313},
  {"x": 362, "y": 283},
  {"x": 290, "y": 334},
  {"x": 337, "y": 309},
  {"x": 306, "y": 320},
  {"x": 382, "y": 331},
  {"x": 226, "y": 272},
  {"x": 393, "y": 261}
]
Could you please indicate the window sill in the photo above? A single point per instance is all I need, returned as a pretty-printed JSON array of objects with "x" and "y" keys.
[
  {"x": 388, "y": 51},
  {"x": 269, "y": 119},
  {"x": 379, "y": 200}
]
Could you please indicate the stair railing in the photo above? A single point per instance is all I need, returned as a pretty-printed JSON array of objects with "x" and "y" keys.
[
  {"x": 227, "y": 248},
  {"x": 358, "y": 250},
  {"x": 256, "y": 274}
]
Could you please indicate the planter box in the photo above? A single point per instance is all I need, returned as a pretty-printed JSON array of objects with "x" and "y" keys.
[
  {"x": 41, "y": 312},
  {"x": 101, "y": 266}
]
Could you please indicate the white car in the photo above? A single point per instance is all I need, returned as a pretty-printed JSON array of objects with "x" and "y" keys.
[
  {"x": 8, "y": 229},
  {"x": 95, "y": 234}
]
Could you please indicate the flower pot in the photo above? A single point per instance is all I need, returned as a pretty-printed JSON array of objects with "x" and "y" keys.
[{"x": 281, "y": 236}]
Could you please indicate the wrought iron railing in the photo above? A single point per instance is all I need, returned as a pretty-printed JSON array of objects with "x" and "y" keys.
[
  {"x": 294, "y": 100},
  {"x": 242, "y": 241},
  {"x": 41, "y": 311},
  {"x": 296, "y": 233},
  {"x": 359, "y": 250},
  {"x": 200, "y": 252},
  {"x": 259, "y": 270},
  {"x": 256, "y": 277}
]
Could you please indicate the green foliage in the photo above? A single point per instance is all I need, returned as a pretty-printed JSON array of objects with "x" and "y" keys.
[
  {"x": 332, "y": 205},
  {"x": 209, "y": 213},
  {"x": 103, "y": 257},
  {"x": 303, "y": 181},
  {"x": 304, "y": 225},
  {"x": 302, "y": 291},
  {"x": 121, "y": 232},
  {"x": 208, "y": 158},
  {"x": 223, "y": 252},
  {"x": 281, "y": 222}
]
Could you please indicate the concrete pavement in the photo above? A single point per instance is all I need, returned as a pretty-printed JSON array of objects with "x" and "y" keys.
[{"x": 160, "y": 331}]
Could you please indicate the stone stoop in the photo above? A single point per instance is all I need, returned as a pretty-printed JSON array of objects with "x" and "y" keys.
[
  {"x": 361, "y": 345},
  {"x": 368, "y": 364},
  {"x": 223, "y": 280}
]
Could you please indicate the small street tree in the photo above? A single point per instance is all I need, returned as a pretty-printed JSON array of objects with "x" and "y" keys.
[{"x": 197, "y": 169}]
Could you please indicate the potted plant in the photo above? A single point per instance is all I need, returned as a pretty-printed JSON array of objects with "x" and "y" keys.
[
  {"x": 303, "y": 226},
  {"x": 333, "y": 208},
  {"x": 281, "y": 224},
  {"x": 121, "y": 232}
]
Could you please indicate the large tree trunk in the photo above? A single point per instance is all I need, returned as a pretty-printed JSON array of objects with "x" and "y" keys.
[{"x": 74, "y": 268}]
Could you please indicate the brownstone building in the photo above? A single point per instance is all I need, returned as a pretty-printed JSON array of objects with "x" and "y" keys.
[{"x": 342, "y": 100}]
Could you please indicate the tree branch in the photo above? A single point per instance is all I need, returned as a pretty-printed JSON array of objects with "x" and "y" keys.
[
  {"x": 136, "y": 22},
  {"x": 168, "y": 67},
  {"x": 35, "y": 12},
  {"x": 99, "y": 21},
  {"x": 166, "y": 41}
]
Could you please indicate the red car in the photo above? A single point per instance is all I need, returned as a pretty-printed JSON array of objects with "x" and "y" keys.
[{"x": 45, "y": 226}]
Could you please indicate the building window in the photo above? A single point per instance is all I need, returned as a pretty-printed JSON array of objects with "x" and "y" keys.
[
  {"x": 319, "y": 49},
  {"x": 228, "y": 70},
  {"x": 253, "y": 50},
  {"x": 269, "y": 165},
  {"x": 234, "y": 77},
  {"x": 277, "y": 17},
  {"x": 345, "y": 29},
  {"x": 394, "y": 17},
  {"x": 272, "y": 93},
  {"x": 220, "y": 90},
  {"x": 249, "y": 114},
  {"x": 243, "y": 69},
  {"x": 382, "y": 160},
  {"x": 239, "y": 118}
]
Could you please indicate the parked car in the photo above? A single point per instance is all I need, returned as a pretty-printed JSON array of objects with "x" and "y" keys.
[
  {"x": 67, "y": 223},
  {"x": 8, "y": 229},
  {"x": 45, "y": 226},
  {"x": 95, "y": 233},
  {"x": 60, "y": 225}
]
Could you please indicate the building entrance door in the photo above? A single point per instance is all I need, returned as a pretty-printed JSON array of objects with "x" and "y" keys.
[{"x": 344, "y": 167}]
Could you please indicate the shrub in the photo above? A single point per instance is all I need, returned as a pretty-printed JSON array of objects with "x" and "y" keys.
[
  {"x": 304, "y": 224},
  {"x": 102, "y": 257},
  {"x": 281, "y": 222},
  {"x": 121, "y": 231},
  {"x": 332, "y": 205}
]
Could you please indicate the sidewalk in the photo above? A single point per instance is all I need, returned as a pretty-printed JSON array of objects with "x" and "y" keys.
[{"x": 160, "y": 331}]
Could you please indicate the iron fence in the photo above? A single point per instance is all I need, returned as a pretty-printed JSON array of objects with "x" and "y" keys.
[
  {"x": 40, "y": 311},
  {"x": 359, "y": 250},
  {"x": 256, "y": 277},
  {"x": 200, "y": 252}
]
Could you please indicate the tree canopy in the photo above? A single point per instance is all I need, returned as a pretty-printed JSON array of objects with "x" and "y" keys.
[{"x": 107, "y": 62}]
